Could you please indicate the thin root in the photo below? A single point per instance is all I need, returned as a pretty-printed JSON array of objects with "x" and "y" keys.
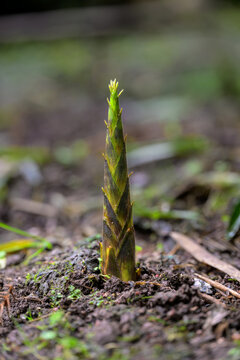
[{"x": 5, "y": 302}]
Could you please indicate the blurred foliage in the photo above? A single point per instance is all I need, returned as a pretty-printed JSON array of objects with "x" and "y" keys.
[
  {"x": 156, "y": 214},
  {"x": 153, "y": 65},
  {"x": 234, "y": 222},
  {"x": 40, "y": 155},
  {"x": 178, "y": 147},
  {"x": 72, "y": 154}
]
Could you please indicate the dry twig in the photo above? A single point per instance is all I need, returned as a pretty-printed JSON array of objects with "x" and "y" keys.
[
  {"x": 204, "y": 256},
  {"x": 211, "y": 299},
  {"x": 218, "y": 286},
  {"x": 33, "y": 207}
]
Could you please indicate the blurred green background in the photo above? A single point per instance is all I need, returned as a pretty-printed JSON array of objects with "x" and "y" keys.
[
  {"x": 172, "y": 59},
  {"x": 177, "y": 61}
]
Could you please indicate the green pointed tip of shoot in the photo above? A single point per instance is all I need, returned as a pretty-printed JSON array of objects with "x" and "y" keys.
[
  {"x": 113, "y": 87},
  {"x": 118, "y": 247}
]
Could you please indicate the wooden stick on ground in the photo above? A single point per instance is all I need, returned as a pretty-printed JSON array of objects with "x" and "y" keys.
[
  {"x": 202, "y": 255},
  {"x": 218, "y": 286},
  {"x": 211, "y": 299},
  {"x": 33, "y": 207}
]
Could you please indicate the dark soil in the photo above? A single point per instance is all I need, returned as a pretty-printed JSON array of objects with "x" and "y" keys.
[
  {"x": 163, "y": 315},
  {"x": 63, "y": 308}
]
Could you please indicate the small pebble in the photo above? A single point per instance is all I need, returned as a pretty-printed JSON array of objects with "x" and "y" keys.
[{"x": 203, "y": 286}]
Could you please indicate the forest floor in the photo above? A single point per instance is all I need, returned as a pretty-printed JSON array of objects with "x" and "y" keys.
[
  {"x": 61, "y": 305},
  {"x": 52, "y": 108}
]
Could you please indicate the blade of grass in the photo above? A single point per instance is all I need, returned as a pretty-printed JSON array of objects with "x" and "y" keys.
[
  {"x": 234, "y": 222},
  {"x": 20, "y": 232},
  {"x": 156, "y": 214},
  {"x": 18, "y": 245}
]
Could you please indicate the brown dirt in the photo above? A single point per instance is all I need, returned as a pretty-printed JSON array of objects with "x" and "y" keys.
[{"x": 161, "y": 316}]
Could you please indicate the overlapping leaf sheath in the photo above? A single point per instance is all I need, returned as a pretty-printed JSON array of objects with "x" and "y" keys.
[{"x": 118, "y": 247}]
